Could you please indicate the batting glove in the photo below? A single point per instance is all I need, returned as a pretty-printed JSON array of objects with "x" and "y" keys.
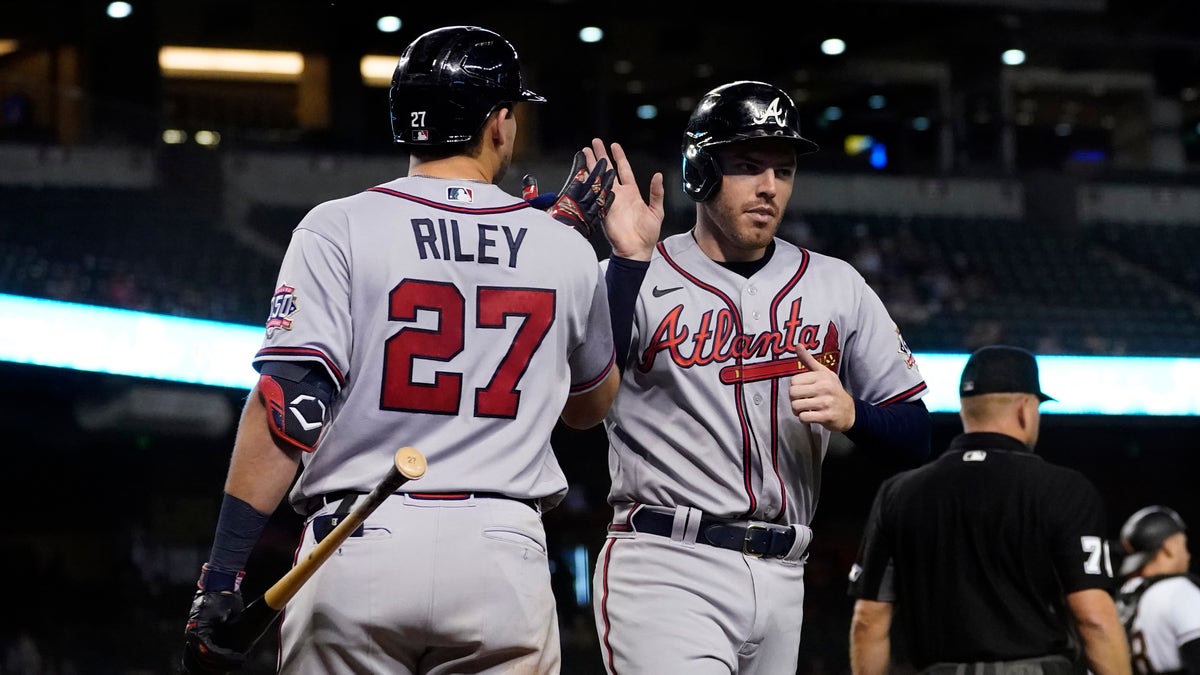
[
  {"x": 582, "y": 203},
  {"x": 211, "y": 610}
]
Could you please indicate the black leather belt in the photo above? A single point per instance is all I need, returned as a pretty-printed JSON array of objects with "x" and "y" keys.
[
  {"x": 346, "y": 499},
  {"x": 761, "y": 540}
]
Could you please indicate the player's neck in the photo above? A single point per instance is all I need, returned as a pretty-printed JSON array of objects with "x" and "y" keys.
[{"x": 458, "y": 167}]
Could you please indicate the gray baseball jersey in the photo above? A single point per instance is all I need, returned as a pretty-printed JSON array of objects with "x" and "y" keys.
[
  {"x": 453, "y": 318},
  {"x": 702, "y": 429},
  {"x": 1162, "y": 617},
  {"x": 703, "y": 417}
]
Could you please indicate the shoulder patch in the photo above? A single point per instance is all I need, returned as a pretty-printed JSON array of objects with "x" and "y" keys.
[
  {"x": 283, "y": 306},
  {"x": 904, "y": 351}
]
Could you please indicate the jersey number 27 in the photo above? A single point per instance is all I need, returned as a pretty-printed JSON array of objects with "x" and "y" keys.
[{"x": 495, "y": 305}]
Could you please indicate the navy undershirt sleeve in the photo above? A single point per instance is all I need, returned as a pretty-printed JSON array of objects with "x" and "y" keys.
[
  {"x": 902, "y": 430},
  {"x": 624, "y": 279},
  {"x": 238, "y": 528}
]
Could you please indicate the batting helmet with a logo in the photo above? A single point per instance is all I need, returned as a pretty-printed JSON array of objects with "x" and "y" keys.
[
  {"x": 737, "y": 111},
  {"x": 449, "y": 80}
]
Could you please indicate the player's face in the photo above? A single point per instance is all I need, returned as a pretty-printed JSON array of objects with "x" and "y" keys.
[{"x": 743, "y": 217}]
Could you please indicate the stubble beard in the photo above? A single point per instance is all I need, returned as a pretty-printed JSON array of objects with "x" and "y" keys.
[
  {"x": 739, "y": 233},
  {"x": 502, "y": 170}
]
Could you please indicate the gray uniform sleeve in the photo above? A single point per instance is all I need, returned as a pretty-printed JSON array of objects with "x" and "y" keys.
[
  {"x": 593, "y": 358},
  {"x": 880, "y": 368},
  {"x": 310, "y": 318}
]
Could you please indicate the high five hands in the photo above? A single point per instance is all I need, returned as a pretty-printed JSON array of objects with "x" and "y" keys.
[
  {"x": 818, "y": 397},
  {"x": 632, "y": 224}
]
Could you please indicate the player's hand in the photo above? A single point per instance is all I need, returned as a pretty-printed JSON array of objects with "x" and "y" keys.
[
  {"x": 211, "y": 610},
  {"x": 536, "y": 199},
  {"x": 633, "y": 224},
  {"x": 582, "y": 203},
  {"x": 818, "y": 397}
]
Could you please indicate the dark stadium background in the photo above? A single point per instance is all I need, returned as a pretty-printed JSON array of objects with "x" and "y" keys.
[{"x": 108, "y": 523}]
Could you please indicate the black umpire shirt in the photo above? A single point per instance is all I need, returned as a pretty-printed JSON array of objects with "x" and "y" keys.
[{"x": 977, "y": 550}]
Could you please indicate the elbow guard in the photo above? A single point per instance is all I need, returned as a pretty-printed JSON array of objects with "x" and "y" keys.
[{"x": 297, "y": 397}]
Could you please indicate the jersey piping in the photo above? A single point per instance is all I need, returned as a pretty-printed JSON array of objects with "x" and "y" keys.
[
  {"x": 302, "y": 354},
  {"x": 907, "y": 393},
  {"x": 803, "y": 267},
  {"x": 748, "y": 442},
  {"x": 592, "y": 383}
]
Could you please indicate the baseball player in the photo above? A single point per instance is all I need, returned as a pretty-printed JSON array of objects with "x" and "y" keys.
[
  {"x": 740, "y": 355},
  {"x": 990, "y": 556},
  {"x": 1159, "y": 602},
  {"x": 433, "y": 311}
]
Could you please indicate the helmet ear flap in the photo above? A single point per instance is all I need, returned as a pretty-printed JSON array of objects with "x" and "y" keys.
[{"x": 701, "y": 173}]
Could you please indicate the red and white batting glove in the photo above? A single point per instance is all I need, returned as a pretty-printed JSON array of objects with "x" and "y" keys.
[{"x": 583, "y": 201}]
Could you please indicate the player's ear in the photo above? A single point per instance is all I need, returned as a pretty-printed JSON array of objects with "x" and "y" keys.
[
  {"x": 1027, "y": 412},
  {"x": 494, "y": 127}
]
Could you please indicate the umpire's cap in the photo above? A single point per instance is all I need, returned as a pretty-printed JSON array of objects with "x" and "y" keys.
[
  {"x": 1144, "y": 533},
  {"x": 736, "y": 111},
  {"x": 1000, "y": 369},
  {"x": 449, "y": 80}
]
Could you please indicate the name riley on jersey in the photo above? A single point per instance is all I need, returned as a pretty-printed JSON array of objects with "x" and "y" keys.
[{"x": 443, "y": 241}]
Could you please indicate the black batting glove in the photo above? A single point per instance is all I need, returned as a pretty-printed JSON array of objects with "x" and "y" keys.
[
  {"x": 214, "y": 606},
  {"x": 529, "y": 191},
  {"x": 583, "y": 201}
]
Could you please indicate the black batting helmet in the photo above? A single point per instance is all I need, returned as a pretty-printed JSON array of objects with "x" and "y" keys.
[
  {"x": 1144, "y": 533},
  {"x": 449, "y": 80},
  {"x": 737, "y": 111}
]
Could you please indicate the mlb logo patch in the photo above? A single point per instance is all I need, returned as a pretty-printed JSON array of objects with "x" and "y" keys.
[
  {"x": 420, "y": 135},
  {"x": 460, "y": 194}
]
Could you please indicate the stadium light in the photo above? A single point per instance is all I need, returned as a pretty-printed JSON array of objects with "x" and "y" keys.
[
  {"x": 388, "y": 24},
  {"x": 119, "y": 10},
  {"x": 591, "y": 34},
  {"x": 231, "y": 64},
  {"x": 833, "y": 46},
  {"x": 377, "y": 70},
  {"x": 1013, "y": 57}
]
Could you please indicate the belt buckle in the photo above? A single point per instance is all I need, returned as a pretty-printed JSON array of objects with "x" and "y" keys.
[{"x": 746, "y": 541}]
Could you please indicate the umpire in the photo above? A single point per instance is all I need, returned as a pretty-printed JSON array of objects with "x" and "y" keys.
[{"x": 988, "y": 552}]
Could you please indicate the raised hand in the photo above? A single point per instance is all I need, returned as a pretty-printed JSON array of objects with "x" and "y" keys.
[
  {"x": 818, "y": 396},
  {"x": 633, "y": 224},
  {"x": 582, "y": 203}
]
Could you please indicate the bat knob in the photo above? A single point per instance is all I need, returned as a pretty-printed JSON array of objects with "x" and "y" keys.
[{"x": 410, "y": 462}]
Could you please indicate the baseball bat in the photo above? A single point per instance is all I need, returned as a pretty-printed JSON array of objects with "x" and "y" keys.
[{"x": 248, "y": 627}]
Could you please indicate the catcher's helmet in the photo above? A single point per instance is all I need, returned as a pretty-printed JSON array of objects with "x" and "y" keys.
[
  {"x": 1143, "y": 534},
  {"x": 449, "y": 80},
  {"x": 737, "y": 111}
]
